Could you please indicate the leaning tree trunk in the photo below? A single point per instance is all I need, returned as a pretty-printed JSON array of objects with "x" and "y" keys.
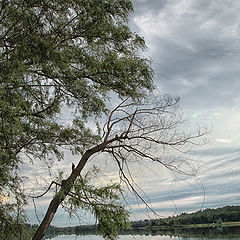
[
  {"x": 53, "y": 206},
  {"x": 64, "y": 191}
]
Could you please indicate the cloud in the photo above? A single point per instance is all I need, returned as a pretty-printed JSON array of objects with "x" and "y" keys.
[
  {"x": 222, "y": 140},
  {"x": 196, "y": 46}
]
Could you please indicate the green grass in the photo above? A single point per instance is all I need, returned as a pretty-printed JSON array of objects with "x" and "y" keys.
[
  {"x": 206, "y": 225},
  {"x": 203, "y": 225}
]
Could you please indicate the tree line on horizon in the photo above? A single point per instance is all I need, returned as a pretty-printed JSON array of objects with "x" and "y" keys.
[{"x": 209, "y": 215}]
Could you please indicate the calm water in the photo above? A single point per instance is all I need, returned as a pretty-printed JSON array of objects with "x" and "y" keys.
[
  {"x": 123, "y": 237},
  {"x": 139, "y": 237},
  {"x": 127, "y": 237},
  {"x": 228, "y": 233}
]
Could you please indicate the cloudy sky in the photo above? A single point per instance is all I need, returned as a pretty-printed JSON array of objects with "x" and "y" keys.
[{"x": 195, "y": 49}]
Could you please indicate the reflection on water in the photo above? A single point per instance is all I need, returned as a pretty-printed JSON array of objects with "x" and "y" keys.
[
  {"x": 121, "y": 237},
  {"x": 228, "y": 233},
  {"x": 135, "y": 237}
]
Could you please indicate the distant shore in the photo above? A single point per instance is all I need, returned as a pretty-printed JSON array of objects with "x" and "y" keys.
[{"x": 201, "y": 225}]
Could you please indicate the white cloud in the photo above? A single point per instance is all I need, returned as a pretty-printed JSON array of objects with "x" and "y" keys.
[{"x": 222, "y": 140}]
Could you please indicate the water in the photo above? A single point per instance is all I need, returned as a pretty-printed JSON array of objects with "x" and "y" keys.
[
  {"x": 121, "y": 237},
  {"x": 141, "y": 237},
  {"x": 136, "y": 237},
  {"x": 228, "y": 233}
]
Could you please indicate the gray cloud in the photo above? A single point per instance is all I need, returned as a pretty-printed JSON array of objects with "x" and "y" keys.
[
  {"x": 195, "y": 44},
  {"x": 152, "y": 6},
  {"x": 195, "y": 50}
]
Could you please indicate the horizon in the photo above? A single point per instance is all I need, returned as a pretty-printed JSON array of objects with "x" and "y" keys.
[{"x": 148, "y": 219}]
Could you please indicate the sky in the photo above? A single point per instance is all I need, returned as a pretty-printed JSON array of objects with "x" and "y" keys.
[
  {"x": 195, "y": 49},
  {"x": 194, "y": 46}
]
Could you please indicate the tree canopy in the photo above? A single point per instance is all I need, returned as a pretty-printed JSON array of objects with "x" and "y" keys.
[
  {"x": 76, "y": 54},
  {"x": 54, "y": 54}
]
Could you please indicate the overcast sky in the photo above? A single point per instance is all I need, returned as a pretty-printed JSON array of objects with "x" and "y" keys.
[{"x": 195, "y": 49}]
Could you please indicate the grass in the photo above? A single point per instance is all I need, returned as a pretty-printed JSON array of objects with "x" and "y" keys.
[
  {"x": 207, "y": 225},
  {"x": 203, "y": 225}
]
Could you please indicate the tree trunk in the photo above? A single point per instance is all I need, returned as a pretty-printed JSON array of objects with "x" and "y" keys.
[
  {"x": 66, "y": 188},
  {"x": 53, "y": 206},
  {"x": 63, "y": 192}
]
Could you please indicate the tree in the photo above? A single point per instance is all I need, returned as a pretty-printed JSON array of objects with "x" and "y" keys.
[
  {"x": 54, "y": 54},
  {"x": 145, "y": 130},
  {"x": 75, "y": 54}
]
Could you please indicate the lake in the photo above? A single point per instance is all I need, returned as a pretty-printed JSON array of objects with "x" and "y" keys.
[
  {"x": 227, "y": 233},
  {"x": 121, "y": 237},
  {"x": 137, "y": 237}
]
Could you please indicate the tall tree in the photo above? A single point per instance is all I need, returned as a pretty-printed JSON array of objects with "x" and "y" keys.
[
  {"x": 69, "y": 53},
  {"x": 146, "y": 130},
  {"x": 74, "y": 54}
]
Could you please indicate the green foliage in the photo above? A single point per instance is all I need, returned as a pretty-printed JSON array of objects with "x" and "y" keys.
[
  {"x": 58, "y": 54},
  {"x": 103, "y": 202},
  {"x": 111, "y": 219},
  {"x": 12, "y": 226},
  {"x": 219, "y": 221},
  {"x": 218, "y": 215}
]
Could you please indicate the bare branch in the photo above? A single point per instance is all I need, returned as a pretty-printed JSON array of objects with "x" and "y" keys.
[{"x": 148, "y": 130}]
